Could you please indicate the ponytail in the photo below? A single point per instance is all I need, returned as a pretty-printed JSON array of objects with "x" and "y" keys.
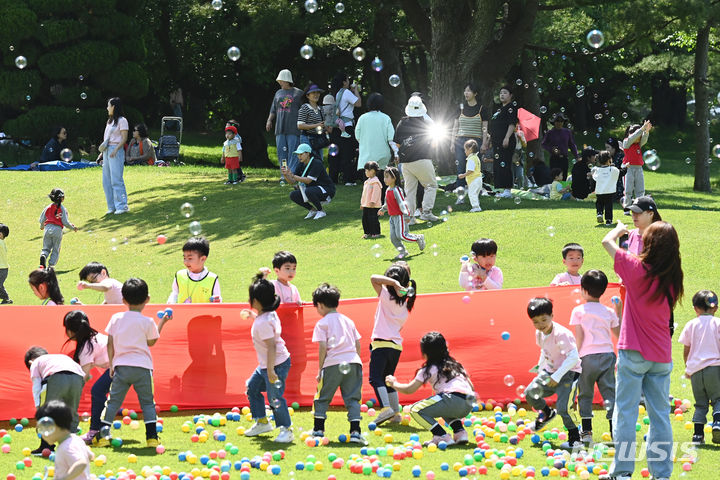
[
  {"x": 263, "y": 291},
  {"x": 47, "y": 276},
  {"x": 77, "y": 322}
]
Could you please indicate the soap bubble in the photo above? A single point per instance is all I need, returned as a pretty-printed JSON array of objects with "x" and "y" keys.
[
  {"x": 716, "y": 150},
  {"x": 434, "y": 249},
  {"x": 333, "y": 150},
  {"x": 688, "y": 160},
  {"x": 195, "y": 228},
  {"x": 595, "y": 38},
  {"x": 651, "y": 159},
  {"x": 518, "y": 81},
  {"x": 550, "y": 231},
  {"x": 509, "y": 380},
  {"x": 278, "y": 384},
  {"x": 45, "y": 426},
  {"x": 517, "y": 200},
  {"x": 624, "y": 115},
  {"x": 216, "y": 4},
  {"x": 81, "y": 78},
  {"x": 377, "y": 64},
  {"x": 20, "y": 62},
  {"x": 376, "y": 250},
  {"x": 358, "y": 54},
  {"x": 83, "y": 96},
  {"x": 27, "y": 97},
  {"x": 187, "y": 210},
  {"x": 580, "y": 93},
  {"x": 394, "y": 80},
  {"x": 339, "y": 7},
  {"x": 344, "y": 368},
  {"x": 543, "y": 109},
  {"x": 306, "y": 52},
  {"x": 233, "y": 53},
  {"x": 311, "y": 6},
  {"x": 460, "y": 192},
  {"x": 66, "y": 155},
  {"x": 275, "y": 403},
  {"x": 520, "y": 390}
]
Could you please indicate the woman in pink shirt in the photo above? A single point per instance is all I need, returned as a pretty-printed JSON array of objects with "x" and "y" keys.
[
  {"x": 644, "y": 212},
  {"x": 654, "y": 283}
]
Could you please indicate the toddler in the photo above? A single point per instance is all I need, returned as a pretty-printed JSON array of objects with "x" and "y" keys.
[
  {"x": 195, "y": 283},
  {"x": 558, "y": 190},
  {"x": 72, "y": 456},
  {"x": 232, "y": 155},
  {"x": 4, "y": 232},
  {"x": 397, "y": 209},
  {"x": 573, "y": 258},
  {"x": 473, "y": 174},
  {"x": 701, "y": 338},
  {"x": 593, "y": 324},
  {"x": 454, "y": 395},
  {"x": 94, "y": 276},
  {"x": 339, "y": 361},
  {"x": 606, "y": 177},
  {"x": 371, "y": 201},
  {"x": 635, "y": 137},
  {"x": 44, "y": 285},
  {"x": 52, "y": 221},
  {"x": 482, "y": 274}
]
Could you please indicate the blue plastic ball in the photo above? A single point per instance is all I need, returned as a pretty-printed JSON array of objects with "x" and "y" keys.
[
  {"x": 444, "y": 467},
  {"x": 159, "y": 427},
  {"x": 372, "y": 426},
  {"x": 245, "y": 476},
  {"x": 160, "y": 314},
  {"x": 237, "y": 465},
  {"x": 505, "y": 335},
  {"x": 169, "y": 312},
  {"x": 342, "y": 438},
  {"x": 221, "y": 437},
  {"x": 18, "y": 428},
  {"x": 415, "y": 437},
  {"x": 519, "y": 452},
  {"x": 387, "y": 473},
  {"x": 236, "y": 417},
  {"x": 182, "y": 456},
  {"x": 463, "y": 472},
  {"x": 204, "y": 459},
  {"x": 416, "y": 471},
  {"x": 442, "y": 445},
  {"x": 299, "y": 466},
  {"x": 545, "y": 471},
  {"x": 535, "y": 439},
  {"x": 275, "y": 469}
]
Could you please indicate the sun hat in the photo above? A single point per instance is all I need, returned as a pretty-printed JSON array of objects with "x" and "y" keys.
[
  {"x": 643, "y": 204},
  {"x": 230, "y": 128},
  {"x": 285, "y": 76},
  {"x": 303, "y": 148},
  {"x": 415, "y": 107},
  {"x": 314, "y": 88},
  {"x": 328, "y": 99}
]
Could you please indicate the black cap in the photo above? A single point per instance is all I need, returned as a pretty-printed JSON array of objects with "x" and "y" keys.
[
  {"x": 643, "y": 204},
  {"x": 558, "y": 117}
]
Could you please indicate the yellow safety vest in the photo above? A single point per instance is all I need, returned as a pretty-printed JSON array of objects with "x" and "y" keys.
[{"x": 195, "y": 291}]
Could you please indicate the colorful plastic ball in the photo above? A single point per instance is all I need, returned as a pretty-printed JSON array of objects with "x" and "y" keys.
[
  {"x": 645, "y": 473},
  {"x": 20, "y": 465},
  {"x": 442, "y": 445},
  {"x": 173, "y": 408},
  {"x": 24, "y": 422},
  {"x": 545, "y": 471},
  {"x": 342, "y": 438},
  {"x": 295, "y": 405},
  {"x": 27, "y": 462},
  {"x": 160, "y": 449},
  {"x": 18, "y": 428},
  {"x": 117, "y": 423},
  {"x": 505, "y": 335},
  {"x": 132, "y": 458},
  {"x": 372, "y": 426},
  {"x": 275, "y": 469},
  {"x": 161, "y": 239},
  {"x": 116, "y": 442},
  {"x": 416, "y": 471},
  {"x": 10, "y": 476}
]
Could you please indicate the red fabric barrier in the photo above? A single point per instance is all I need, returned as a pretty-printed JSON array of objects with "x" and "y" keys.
[{"x": 205, "y": 353}]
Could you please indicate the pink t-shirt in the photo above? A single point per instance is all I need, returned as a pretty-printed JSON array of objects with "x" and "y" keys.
[
  {"x": 459, "y": 384},
  {"x": 702, "y": 335},
  {"x": 113, "y": 296},
  {"x": 646, "y": 320},
  {"x": 555, "y": 348},
  {"x": 635, "y": 243},
  {"x": 596, "y": 321},
  {"x": 130, "y": 332},
  {"x": 68, "y": 453},
  {"x": 340, "y": 335},
  {"x": 266, "y": 326},
  {"x": 469, "y": 281},
  {"x": 52, "y": 363},
  {"x": 287, "y": 293},
  {"x": 112, "y": 132},
  {"x": 99, "y": 356},
  {"x": 565, "y": 279},
  {"x": 389, "y": 318}
]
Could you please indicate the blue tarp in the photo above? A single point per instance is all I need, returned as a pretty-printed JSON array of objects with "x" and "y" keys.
[{"x": 54, "y": 166}]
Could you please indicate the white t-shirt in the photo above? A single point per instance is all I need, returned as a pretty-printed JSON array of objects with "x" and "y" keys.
[
  {"x": 459, "y": 384},
  {"x": 390, "y": 317},
  {"x": 340, "y": 335},
  {"x": 113, "y": 296},
  {"x": 266, "y": 326},
  {"x": 346, "y": 106},
  {"x": 702, "y": 335},
  {"x": 130, "y": 332},
  {"x": 112, "y": 132},
  {"x": 597, "y": 322},
  {"x": 67, "y": 453},
  {"x": 98, "y": 357}
]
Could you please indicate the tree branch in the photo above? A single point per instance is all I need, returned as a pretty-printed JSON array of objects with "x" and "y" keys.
[
  {"x": 419, "y": 19},
  {"x": 520, "y": 20}
]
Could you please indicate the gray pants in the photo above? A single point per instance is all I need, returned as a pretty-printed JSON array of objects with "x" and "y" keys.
[
  {"x": 446, "y": 405},
  {"x": 350, "y": 385},
  {"x": 51, "y": 243},
  {"x": 706, "y": 390},
  {"x": 538, "y": 390},
  {"x": 68, "y": 387},
  {"x": 597, "y": 368},
  {"x": 634, "y": 184},
  {"x": 422, "y": 172},
  {"x": 398, "y": 233},
  {"x": 125, "y": 377},
  {"x": 3, "y": 277}
]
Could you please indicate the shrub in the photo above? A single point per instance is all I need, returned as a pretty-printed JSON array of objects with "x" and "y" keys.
[
  {"x": 14, "y": 86},
  {"x": 16, "y": 23},
  {"x": 54, "y": 32},
  {"x": 43, "y": 7},
  {"x": 84, "y": 58},
  {"x": 128, "y": 79}
]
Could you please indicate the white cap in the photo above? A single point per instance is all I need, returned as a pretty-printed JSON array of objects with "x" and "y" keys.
[{"x": 285, "y": 76}]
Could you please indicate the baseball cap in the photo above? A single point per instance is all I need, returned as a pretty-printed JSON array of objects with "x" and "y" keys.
[
  {"x": 231, "y": 128},
  {"x": 643, "y": 204},
  {"x": 303, "y": 148}
]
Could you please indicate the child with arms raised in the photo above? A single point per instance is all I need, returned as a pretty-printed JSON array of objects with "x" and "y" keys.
[
  {"x": 573, "y": 258},
  {"x": 195, "y": 283},
  {"x": 482, "y": 274},
  {"x": 635, "y": 137}
]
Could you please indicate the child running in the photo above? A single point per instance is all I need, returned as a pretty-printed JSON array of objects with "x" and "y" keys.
[
  {"x": 396, "y": 298},
  {"x": 606, "y": 177},
  {"x": 593, "y": 324},
  {"x": 52, "y": 220},
  {"x": 4, "y": 266},
  {"x": 481, "y": 274},
  {"x": 635, "y": 137},
  {"x": 95, "y": 276},
  {"x": 573, "y": 258},
  {"x": 473, "y": 174},
  {"x": 701, "y": 338},
  {"x": 339, "y": 360},
  {"x": 273, "y": 362},
  {"x": 44, "y": 284},
  {"x": 371, "y": 201},
  {"x": 195, "y": 283},
  {"x": 397, "y": 209},
  {"x": 72, "y": 456},
  {"x": 454, "y": 394},
  {"x": 232, "y": 155}
]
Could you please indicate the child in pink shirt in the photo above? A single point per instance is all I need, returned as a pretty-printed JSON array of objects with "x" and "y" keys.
[
  {"x": 482, "y": 274},
  {"x": 701, "y": 337},
  {"x": 558, "y": 369},
  {"x": 594, "y": 323},
  {"x": 396, "y": 298},
  {"x": 371, "y": 201},
  {"x": 573, "y": 257},
  {"x": 285, "y": 266},
  {"x": 72, "y": 456},
  {"x": 338, "y": 360}
]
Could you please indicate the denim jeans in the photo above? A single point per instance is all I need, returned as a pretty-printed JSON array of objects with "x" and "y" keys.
[
  {"x": 99, "y": 393},
  {"x": 286, "y": 145},
  {"x": 113, "y": 183},
  {"x": 259, "y": 383},
  {"x": 316, "y": 153},
  {"x": 635, "y": 375}
]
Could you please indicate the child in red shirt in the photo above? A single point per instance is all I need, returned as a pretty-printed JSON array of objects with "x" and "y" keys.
[{"x": 396, "y": 207}]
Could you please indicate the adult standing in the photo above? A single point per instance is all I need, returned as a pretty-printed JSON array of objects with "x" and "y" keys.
[
  {"x": 54, "y": 146},
  {"x": 176, "y": 102},
  {"x": 558, "y": 140},
  {"x": 413, "y": 138},
  {"x": 374, "y": 133},
  {"x": 347, "y": 97},
  {"x": 471, "y": 124},
  {"x": 314, "y": 184},
  {"x": 644, "y": 213},
  {"x": 112, "y": 152},
  {"x": 311, "y": 121},
  {"x": 502, "y": 138},
  {"x": 654, "y": 283},
  {"x": 284, "y": 111}
]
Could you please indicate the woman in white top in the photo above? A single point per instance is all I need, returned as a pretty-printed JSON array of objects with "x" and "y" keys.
[
  {"x": 113, "y": 158},
  {"x": 347, "y": 97}
]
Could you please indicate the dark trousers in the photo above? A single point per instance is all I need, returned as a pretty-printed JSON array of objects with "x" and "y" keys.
[
  {"x": 99, "y": 393},
  {"x": 502, "y": 166},
  {"x": 3, "y": 277},
  {"x": 561, "y": 162},
  {"x": 344, "y": 161},
  {"x": 383, "y": 362},
  {"x": 370, "y": 221},
  {"x": 314, "y": 195},
  {"x": 604, "y": 204}
]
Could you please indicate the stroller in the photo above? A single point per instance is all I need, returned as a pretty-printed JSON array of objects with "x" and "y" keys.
[{"x": 168, "y": 148}]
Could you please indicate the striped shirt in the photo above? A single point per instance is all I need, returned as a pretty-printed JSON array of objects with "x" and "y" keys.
[
  {"x": 309, "y": 116},
  {"x": 470, "y": 122}
]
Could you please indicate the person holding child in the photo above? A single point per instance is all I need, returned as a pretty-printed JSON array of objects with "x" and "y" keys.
[
  {"x": 371, "y": 201},
  {"x": 314, "y": 186},
  {"x": 195, "y": 283},
  {"x": 573, "y": 258},
  {"x": 482, "y": 273},
  {"x": 52, "y": 221},
  {"x": 472, "y": 174}
]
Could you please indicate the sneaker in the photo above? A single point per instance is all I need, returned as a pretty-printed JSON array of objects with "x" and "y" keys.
[
  {"x": 258, "y": 428},
  {"x": 229, "y": 182},
  {"x": 6, "y": 302},
  {"x": 110, "y": 212},
  {"x": 608, "y": 223},
  {"x": 318, "y": 433},
  {"x": 599, "y": 218},
  {"x": 586, "y": 438},
  {"x": 484, "y": 193},
  {"x": 459, "y": 201},
  {"x": 120, "y": 212},
  {"x": 396, "y": 419},
  {"x": 100, "y": 442},
  {"x": 541, "y": 422},
  {"x": 476, "y": 209},
  {"x": 356, "y": 437},
  {"x": 43, "y": 260},
  {"x": 417, "y": 213},
  {"x": 234, "y": 182},
  {"x": 412, "y": 221},
  {"x": 574, "y": 445},
  {"x": 242, "y": 179},
  {"x": 716, "y": 432},
  {"x": 607, "y": 476},
  {"x": 505, "y": 194},
  {"x": 285, "y": 435},
  {"x": 320, "y": 214},
  {"x": 89, "y": 436},
  {"x": 698, "y": 439},
  {"x": 310, "y": 214},
  {"x": 440, "y": 438},
  {"x": 152, "y": 442},
  {"x": 429, "y": 217},
  {"x": 385, "y": 414},
  {"x": 421, "y": 243},
  {"x": 461, "y": 437},
  {"x": 627, "y": 212}
]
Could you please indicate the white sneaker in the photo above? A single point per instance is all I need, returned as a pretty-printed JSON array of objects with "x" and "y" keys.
[
  {"x": 285, "y": 435},
  {"x": 429, "y": 217},
  {"x": 109, "y": 212},
  {"x": 310, "y": 214},
  {"x": 505, "y": 194},
  {"x": 417, "y": 213},
  {"x": 484, "y": 193},
  {"x": 258, "y": 428},
  {"x": 441, "y": 438},
  {"x": 459, "y": 201},
  {"x": 421, "y": 242},
  {"x": 320, "y": 214},
  {"x": 385, "y": 414},
  {"x": 476, "y": 209},
  {"x": 120, "y": 212}
]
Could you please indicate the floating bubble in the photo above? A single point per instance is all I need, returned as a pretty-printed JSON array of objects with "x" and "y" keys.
[
  {"x": 204, "y": 199},
  {"x": 28, "y": 97},
  {"x": 339, "y": 7},
  {"x": 517, "y": 201},
  {"x": 394, "y": 80},
  {"x": 509, "y": 380},
  {"x": 543, "y": 109},
  {"x": 595, "y": 38},
  {"x": 187, "y": 210},
  {"x": 520, "y": 390},
  {"x": 434, "y": 249},
  {"x": 624, "y": 115},
  {"x": 466, "y": 299},
  {"x": 651, "y": 159},
  {"x": 344, "y": 368},
  {"x": 275, "y": 403},
  {"x": 580, "y": 93},
  {"x": 83, "y": 96},
  {"x": 306, "y": 52},
  {"x": 45, "y": 426},
  {"x": 518, "y": 81},
  {"x": 20, "y": 62},
  {"x": 195, "y": 228},
  {"x": 278, "y": 384},
  {"x": 66, "y": 155},
  {"x": 688, "y": 160},
  {"x": 311, "y": 6},
  {"x": 358, "y": 54},
  {"x": 216, "y": 4},
  {"x": 233, "y": 53},
  {"x": 333, "y": 150},
  {"x": 81, "y": 78},
  {"x": 550, "y": 231},
  {"x": 377, "y": 64},
  {"x": 376, "y": 250},
  {"x": 460, "y": 192},
  {"x": 716, "y": 150}
]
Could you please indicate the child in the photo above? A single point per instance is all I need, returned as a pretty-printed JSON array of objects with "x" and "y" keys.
[
  {"x": 558, "y": 369},
  {"x": 72, "y": 456},
  {"x": 195, "y": 284},
  {"x": 482, "y": 274},
  {"x": 593, "y": 323},
  {"x": 95, "y": 276},
  {"x": 62, "y": 379},
  {"x": 518, "y": 167},
  {"x": 371, "y": 201},
  {"x": 52, "y": 220},
  {"x": 558, "y": 191},
  {"x": 232, "y": 155},
  {"x": 580, "y": 186},
  {"x": 396, "y": 298},
  {"x": 397, "y": 208},
  {"x": 573, "y": 258},
  {"x": 473, "y": 175},
  {"x": 453, "y": 391},
  {"x": 271, "y": 352},
  {"x": 44, "y": 285},
  {"x": 90, "y": 352},
  {"x": 635, "y": 137},
  {"x": 130, "y": 336},
  {"x": 606, "y": 177},
  {"x": 285, "y": 266},
  {"x": 4, "y": 232},
  {"x": 701, "y": 337},
  {"x": 339, "y": 360}
]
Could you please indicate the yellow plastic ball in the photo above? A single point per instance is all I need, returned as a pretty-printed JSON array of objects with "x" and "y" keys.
[
  {"x": 584, "y": 475},
  {"x": 679, "y": 417},
  {"x": 432, "y": 447},
  {"x": 195, "y": 472},
  {"x": 388, "y": 438},
  {"x": 521, "y": 412},
  {"x": 504, "y": 475},
  {"x": 245, "y": 410},
  {"x": 240, "y": 431},
  {"x": 707, "y": 429},
  {"x": 641, "y": 409},
  {"x": 192, "y": 459},
  {"x": 264, "y": 465},
  {"x": 405, "y": 420},
  {"x": 554, "y": 472},
  {"x": 132, "y": 458},
  {"x": 26, "y": 451},
  {"x": 378, "y": 432},
  {"x": 689, "y": 426},
  {"x": 497, "y": 409},
  {"x": 166, "y": 470},
  {"x": 606, "y": 437},
  {"x": 397, "y": 466},
  {"x": 417, "y": 454},
  {"x": 51, "y": 471},
  {"x": 98, "y": 462},
  {"x": 291, "y": 410},
  {"x": 248, "y": 417},
  {"x": 516, "y": 471},
  {"x": 223, "y": 421},
  {"x": 185, "y": 428},
  {"x": 319, "y": 466},
  {"x": 457, "y": 466}
]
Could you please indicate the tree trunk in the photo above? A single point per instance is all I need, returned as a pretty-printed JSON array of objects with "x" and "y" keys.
[
  {"x": 702, "y": 129},
  {"x": 395, "y": 97}
]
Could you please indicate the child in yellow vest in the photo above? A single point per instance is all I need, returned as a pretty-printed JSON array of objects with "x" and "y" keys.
[{"x": 195, "y": 284}]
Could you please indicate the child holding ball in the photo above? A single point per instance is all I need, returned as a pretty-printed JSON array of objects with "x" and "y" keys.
[{"x": 482, "y": 274}]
